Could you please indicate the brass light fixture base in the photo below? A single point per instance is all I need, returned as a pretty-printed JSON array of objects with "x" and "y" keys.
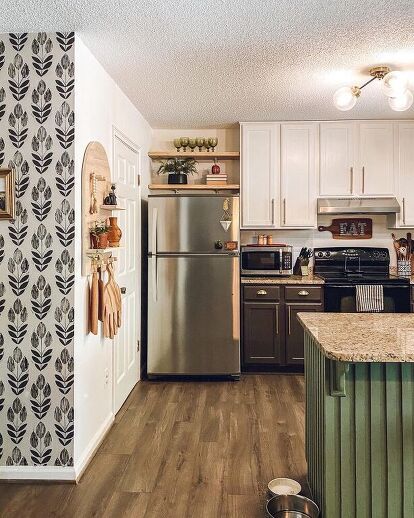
[
  {"x": 356, "y": 91},
  {"x": 379, "y": 72}
]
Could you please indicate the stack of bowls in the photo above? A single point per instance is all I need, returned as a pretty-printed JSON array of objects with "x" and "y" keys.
[{"x": 285, "y": 501}]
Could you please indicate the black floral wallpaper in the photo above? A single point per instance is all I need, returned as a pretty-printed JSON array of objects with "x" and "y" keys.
[{"x": 37, "y": 131}]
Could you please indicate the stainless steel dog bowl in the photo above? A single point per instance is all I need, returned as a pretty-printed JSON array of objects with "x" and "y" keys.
[{"x": 291, "y": 506}]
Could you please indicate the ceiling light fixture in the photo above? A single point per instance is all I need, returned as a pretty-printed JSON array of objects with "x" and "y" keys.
[{"x": 395, "y": 87}]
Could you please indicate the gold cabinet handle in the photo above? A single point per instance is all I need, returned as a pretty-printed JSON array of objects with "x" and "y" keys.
[
  {"x": 277, "y": 319},
  {"x": 273, "y": 211},
  {"x": 303, "y": 293},
  {"x": 261, "y": 292},
  {"x": 403, "y": 204},
  {"x": 289, "y": 318},
  {"x": 363, "y": 179},
  {"x": 284, "y": 211},
  {"x": 352, "y": 180}
]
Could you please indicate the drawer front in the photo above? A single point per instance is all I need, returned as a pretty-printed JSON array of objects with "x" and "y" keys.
[
  {"x": 261, "y": 292},
  {"x": 303, "y": 293}
]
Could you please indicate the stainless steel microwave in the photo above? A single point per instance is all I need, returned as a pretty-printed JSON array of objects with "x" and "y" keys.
[{"x": 266, "y": 260}]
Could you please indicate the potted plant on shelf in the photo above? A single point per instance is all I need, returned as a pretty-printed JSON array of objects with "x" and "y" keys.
[
  {"x": 178, "y": 169},
  {"x": 99, "y": 235}
]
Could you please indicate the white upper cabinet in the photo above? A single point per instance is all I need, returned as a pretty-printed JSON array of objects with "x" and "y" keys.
[
  {"x": 298, "y": 174},
  {"x": 336, "y": 157},
  {"x": 405, "y": 168},
  {"x": 260, "y": 174},
  {"x": 375, "y": 167}
]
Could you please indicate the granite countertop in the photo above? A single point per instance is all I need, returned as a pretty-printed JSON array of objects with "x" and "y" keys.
[
  {"x": 292, "y": 279},
  {"x": 362, "y": 337}
]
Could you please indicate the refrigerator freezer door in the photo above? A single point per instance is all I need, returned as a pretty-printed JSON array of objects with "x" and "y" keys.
[
  {"x": 189, "y": 223},
  {"x": 193, "y": 308}
]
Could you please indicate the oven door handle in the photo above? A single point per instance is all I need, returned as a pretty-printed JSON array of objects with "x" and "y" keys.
[{"x": 328, "y": 286}]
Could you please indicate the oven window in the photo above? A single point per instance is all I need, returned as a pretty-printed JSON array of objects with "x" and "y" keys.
[{"x": 260, "y": 261}]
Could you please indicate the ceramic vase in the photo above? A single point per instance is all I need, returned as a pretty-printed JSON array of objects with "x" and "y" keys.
[
  {"x": 404, "y": 268},
  {"x": 115, "y": 233}
]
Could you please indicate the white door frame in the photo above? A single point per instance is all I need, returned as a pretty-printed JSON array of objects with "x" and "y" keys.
[{"x": 118, "y": 134}]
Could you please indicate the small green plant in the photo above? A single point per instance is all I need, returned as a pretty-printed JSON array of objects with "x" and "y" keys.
[
  {"x": 100, "y": 228},
  {"x": 178, "y": 166}
]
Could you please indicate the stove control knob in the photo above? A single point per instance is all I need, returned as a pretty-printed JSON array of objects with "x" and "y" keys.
[
  {"x": 328, "y": 254},
  {"x": 320, "y": 254}
]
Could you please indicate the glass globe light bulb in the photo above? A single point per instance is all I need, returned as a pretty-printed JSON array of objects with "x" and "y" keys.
[
  {"x": 402, "y": 102},
  {"x": 345, "y": 98},
  {"x": 394, "y": 84}
]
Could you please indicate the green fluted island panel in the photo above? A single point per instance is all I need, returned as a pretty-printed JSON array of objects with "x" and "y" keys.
[{"x": 360, "y": 444}]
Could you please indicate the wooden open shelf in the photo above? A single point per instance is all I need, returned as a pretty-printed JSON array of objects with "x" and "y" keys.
[
  {"x": 97, "y": 251},
  {"x": 112, "y": 207},
  {"x": 193, "y": 187},
  {"x": 197, "y": 155}
]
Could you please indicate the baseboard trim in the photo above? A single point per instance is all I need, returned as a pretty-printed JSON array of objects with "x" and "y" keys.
[
  {"x": 30, "y": 473},
  {"x": 93, "y": 446},
  {"x": 58, "y": 473}
]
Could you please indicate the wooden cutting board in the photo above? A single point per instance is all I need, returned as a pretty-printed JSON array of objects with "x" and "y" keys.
[{"x": 349, "y": 228}]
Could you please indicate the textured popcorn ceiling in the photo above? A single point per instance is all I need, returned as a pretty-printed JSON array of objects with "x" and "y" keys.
[{"x": 212, "y": 63}]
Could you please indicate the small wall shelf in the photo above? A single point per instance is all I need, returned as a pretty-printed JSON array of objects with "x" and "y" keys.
[
  {"x": 99, "y": 251},
  {"x": 197, "y": 155},
  {"x": 112, "y": 207},
  {"x": 193, "y": 187}
]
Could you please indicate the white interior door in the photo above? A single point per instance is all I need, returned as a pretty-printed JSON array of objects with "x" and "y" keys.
[{"x": 126, "y": 361}]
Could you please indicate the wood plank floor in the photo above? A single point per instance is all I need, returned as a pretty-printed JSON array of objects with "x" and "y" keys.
[{"x": 183, "y": 449}]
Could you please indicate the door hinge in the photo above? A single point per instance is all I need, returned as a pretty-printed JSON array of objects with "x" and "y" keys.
[{"x": 138, "y": 345}]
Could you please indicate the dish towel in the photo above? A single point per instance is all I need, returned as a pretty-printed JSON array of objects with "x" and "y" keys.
[{"x": 369, "y": 298}]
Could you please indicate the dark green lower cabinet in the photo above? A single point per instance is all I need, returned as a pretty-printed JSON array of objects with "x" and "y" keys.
[
  {"x": 261, "y": 333},
  {"x": 359, "y": 436},
  {"x": 294, "y": 331},
  {"x": 271, "y": 333}
]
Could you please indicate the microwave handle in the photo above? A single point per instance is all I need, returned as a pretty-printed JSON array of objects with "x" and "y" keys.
[{"x": 280, "y": 261}]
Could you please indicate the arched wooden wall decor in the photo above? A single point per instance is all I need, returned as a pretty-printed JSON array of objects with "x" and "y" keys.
[{"x": 95, "y": 171}]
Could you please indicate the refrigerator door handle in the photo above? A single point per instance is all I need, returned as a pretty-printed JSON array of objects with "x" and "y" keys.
[
  {"x": 154, "y": 230},
  {"x": 154, "y": 277}
]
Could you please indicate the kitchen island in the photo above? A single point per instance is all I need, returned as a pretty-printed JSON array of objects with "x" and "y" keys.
[{"x": 359, "y": 372}]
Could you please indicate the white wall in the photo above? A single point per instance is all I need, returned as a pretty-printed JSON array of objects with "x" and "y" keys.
[
  {"x": 228, "y": 140},
  {"x": 100, "y": 106}
]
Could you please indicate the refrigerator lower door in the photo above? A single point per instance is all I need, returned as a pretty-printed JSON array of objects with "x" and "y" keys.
[{"x": 193, "y": 315}]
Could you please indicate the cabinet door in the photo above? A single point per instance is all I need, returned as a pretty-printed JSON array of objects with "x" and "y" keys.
[
  {"x": 336, "y": 158},
  {"x": 294, "y": 331},
  {"x": 298, "y": 168},
  {"x": 376, "y": 158},
  {"x": 405, "y": 166},
  {"x": 261, "y": 333},
  {"x": 259, "y": 175}
]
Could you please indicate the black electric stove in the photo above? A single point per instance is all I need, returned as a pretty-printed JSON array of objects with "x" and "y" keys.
[{"x": 343, "y": 268}]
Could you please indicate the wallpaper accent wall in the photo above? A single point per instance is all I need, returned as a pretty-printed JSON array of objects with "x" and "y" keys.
[{"x": 37, "y": 130}]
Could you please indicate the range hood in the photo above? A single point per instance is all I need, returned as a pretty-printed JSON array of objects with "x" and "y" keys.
[{"x": 358, "y": 205}]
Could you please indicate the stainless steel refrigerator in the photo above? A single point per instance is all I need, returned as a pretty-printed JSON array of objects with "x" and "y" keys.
[{"x": 193, "y": 285}]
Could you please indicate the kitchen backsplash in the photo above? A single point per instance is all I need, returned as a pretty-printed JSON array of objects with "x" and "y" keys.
[{"x": 312, "y": 238}]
